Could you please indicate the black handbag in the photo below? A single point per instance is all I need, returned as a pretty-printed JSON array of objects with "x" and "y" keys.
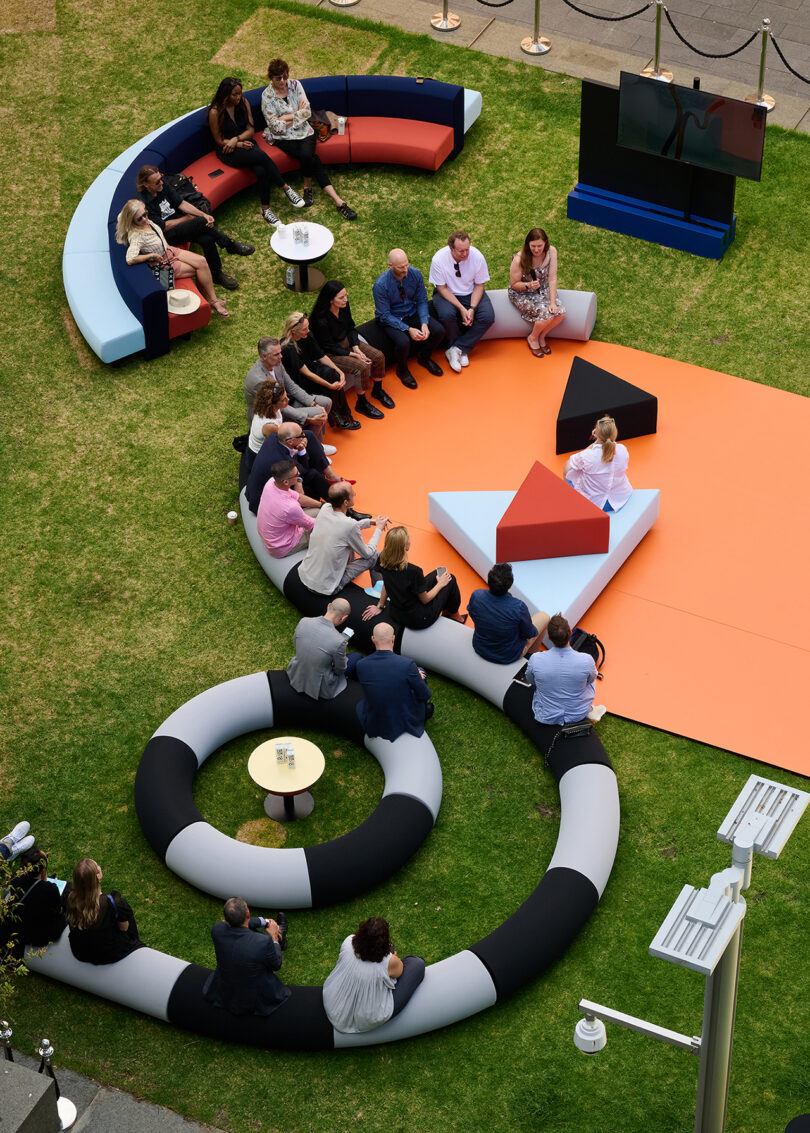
[{"x": 164, "y": 274}]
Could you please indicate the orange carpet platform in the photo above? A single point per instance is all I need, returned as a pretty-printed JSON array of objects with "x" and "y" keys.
[{"x": 707, "y": 624}]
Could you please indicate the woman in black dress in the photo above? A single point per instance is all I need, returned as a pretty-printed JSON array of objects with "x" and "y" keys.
[
  {"x": 332, "y": 323},
  {"x": 102, "y": 925},
  {"x": 417, "y": 600},
  {"x": 308, "y": 364},
  {"x": 230, "y": 121}
]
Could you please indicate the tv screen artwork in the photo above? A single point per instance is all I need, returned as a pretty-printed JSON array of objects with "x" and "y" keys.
[{"x": 691, "y": 126}]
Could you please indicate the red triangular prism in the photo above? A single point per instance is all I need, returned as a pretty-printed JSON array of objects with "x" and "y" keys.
[{"x": 548, "y": 519}]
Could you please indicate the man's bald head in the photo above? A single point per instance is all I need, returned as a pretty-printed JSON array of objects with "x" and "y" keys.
[
  {"x": 289, "y": 431},
  {"x": 398, "y": 263},
  {"x": 339, "y": 608},
  {"x": 383, "y": 635}
]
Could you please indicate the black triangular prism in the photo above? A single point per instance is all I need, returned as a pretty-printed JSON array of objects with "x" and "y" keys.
[{"x": 592, "y": 393}]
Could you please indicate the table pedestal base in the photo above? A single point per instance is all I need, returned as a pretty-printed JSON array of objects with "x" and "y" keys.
[
  {"x": 308, "y": 278},
  {"x": 286, "y": 808}
]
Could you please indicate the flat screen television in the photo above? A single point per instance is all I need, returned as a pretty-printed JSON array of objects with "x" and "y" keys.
[{"x": 691, "y": 126}]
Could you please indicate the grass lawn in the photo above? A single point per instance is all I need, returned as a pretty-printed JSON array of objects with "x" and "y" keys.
[{"x": 125, "y": 593}]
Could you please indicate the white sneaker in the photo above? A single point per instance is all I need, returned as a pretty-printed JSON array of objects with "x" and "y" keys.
[
  {"x": 596, "y": 713},
  {"x": 16, "y": 842},
  {"x": 465, "y": 361},
  {"x": 330, "y": 450},
  {"x": 270, "y": 217},
  {"x": 453, "y": 355},
  {"x": 293, "y": 197}
]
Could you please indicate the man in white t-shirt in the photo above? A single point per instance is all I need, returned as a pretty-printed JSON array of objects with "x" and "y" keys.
[{"x": 458, "y": 273}]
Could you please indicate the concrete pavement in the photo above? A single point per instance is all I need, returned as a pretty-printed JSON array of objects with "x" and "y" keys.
[{"x": 589, "y": 48}]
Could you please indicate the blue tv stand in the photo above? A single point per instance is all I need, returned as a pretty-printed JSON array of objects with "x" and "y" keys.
[{"x": 648, "y": 221}]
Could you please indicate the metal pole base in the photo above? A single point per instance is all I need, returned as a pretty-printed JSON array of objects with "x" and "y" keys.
[
  {"x": 450, "y": 23},
  {"x": 344, "y": 3},
  {"x": 532, "y": 46},
  {"x": 661, "y": 75},
  {"x": 66, "y": 1111},
  {"x": 766, "y": 101}
]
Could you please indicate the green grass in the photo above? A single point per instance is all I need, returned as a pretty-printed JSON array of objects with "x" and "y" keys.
[{"x": 125, "y": 593}]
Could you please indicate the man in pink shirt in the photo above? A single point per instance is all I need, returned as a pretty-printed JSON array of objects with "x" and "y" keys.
[{"x": 283, "y": 524}]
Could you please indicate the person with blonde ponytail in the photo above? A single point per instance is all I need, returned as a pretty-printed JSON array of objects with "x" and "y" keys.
[
  {"x": 102, "y": 925},
  {"x": 599, "y": 472}
]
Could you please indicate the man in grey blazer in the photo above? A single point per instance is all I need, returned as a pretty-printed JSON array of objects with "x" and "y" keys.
[
  {"x": 248, "y": 953},
  {"x": 319, "y": 665}
]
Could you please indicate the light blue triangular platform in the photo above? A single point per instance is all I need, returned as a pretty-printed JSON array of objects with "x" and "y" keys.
[{"x": 468, "y": 521}]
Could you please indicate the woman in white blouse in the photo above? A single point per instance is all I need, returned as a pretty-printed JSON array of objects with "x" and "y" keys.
[
  {"x": 369, "y": 984},
  {"x": 146, "y": 244},
  {"x": 599, "y": 472},
  {"x": 286, "y": 111}
]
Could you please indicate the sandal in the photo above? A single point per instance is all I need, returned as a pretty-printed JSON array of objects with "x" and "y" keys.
[
  {"x": 221, "y": 309},
  {"x": 347, "y": 212},
  {"x": 545, "y": 348},
  {"x": 537, "y": 351}
]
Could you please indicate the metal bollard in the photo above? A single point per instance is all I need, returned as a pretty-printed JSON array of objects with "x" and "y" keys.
[
  {"x": 64, "y": 1107},
  {"x": 5, "y": 1040},
  {"x": 444, "y": 20},
  {"x": 654, "y": 71},
  {"x": 344, "y": 3},
  {"x": 766, "y": 101},
  {"x": 536, "y": 44}
]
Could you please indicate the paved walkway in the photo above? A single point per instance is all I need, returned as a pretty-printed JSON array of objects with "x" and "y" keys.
[
  {"x": 590, "y": 48},
  {"x": 101, "y": 1109}
]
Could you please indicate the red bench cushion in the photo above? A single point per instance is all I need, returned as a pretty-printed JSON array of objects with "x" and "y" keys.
[
  {"x": 400, "y": 141},
  {"x": 182, "y": 324}
]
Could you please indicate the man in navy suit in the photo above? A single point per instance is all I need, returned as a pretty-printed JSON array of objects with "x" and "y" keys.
[
  {"x": 291, "y": 442},
  {"x": 396, "y": 691},
  {"x": 248, "y": 956}
]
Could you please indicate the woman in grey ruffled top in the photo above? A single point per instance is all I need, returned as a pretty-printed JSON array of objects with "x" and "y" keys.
[
  {"x": 286, "y": 111},
  {"x": 369, "y": 984}
]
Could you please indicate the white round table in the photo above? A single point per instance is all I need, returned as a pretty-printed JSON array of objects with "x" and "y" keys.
[
  {"x": 302, "y": 255},
  {"x": 289, "y": 796}
]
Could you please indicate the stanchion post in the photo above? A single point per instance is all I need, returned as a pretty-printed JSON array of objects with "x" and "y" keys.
[
  {"x": 5, "y": 1040},
  {"x": 344, "y": 3},
  {"x": 444, "y": 20},
  {"x": 655, "y": 71},
  {"x": 64, "y": 1106},
  {"x": 766, "y": 101},
  {"x": 536, "y": 44}
]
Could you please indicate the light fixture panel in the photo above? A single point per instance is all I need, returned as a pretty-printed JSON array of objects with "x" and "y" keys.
[
  {"x": 774, "y": 807},
  {"x": 697, "y": 929}
]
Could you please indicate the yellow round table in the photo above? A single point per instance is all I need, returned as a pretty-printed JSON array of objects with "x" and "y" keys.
[{"x": 289, "y": 796}]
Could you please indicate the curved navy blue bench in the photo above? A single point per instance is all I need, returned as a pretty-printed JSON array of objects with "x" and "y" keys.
[{"x": 121, "y": 310}]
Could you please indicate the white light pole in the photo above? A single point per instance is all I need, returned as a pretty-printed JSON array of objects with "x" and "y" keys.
[{"x": 703, "y": 931}]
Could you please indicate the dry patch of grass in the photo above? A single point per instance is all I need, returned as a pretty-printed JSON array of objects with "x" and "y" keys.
[
  {"x": 21, "y": 16},
  {"x": 270, "y": 32},
  {"x": 262, "y": 832}
]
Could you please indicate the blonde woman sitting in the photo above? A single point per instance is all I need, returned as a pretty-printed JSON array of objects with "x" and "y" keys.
[
  {"x": 599, "y": 472},
  {"x": 417, "y": 599},
  {"x": 146, "y": 244}
]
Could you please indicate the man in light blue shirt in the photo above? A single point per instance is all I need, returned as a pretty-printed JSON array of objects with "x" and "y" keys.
[
  {"x": 401, "y": 310},
  {"x": 563, "y": 680}
]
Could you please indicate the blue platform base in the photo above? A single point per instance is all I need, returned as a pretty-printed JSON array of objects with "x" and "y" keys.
[
  {"x": 646, "y": 221},
  {"x": 468, "y": 520}
]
